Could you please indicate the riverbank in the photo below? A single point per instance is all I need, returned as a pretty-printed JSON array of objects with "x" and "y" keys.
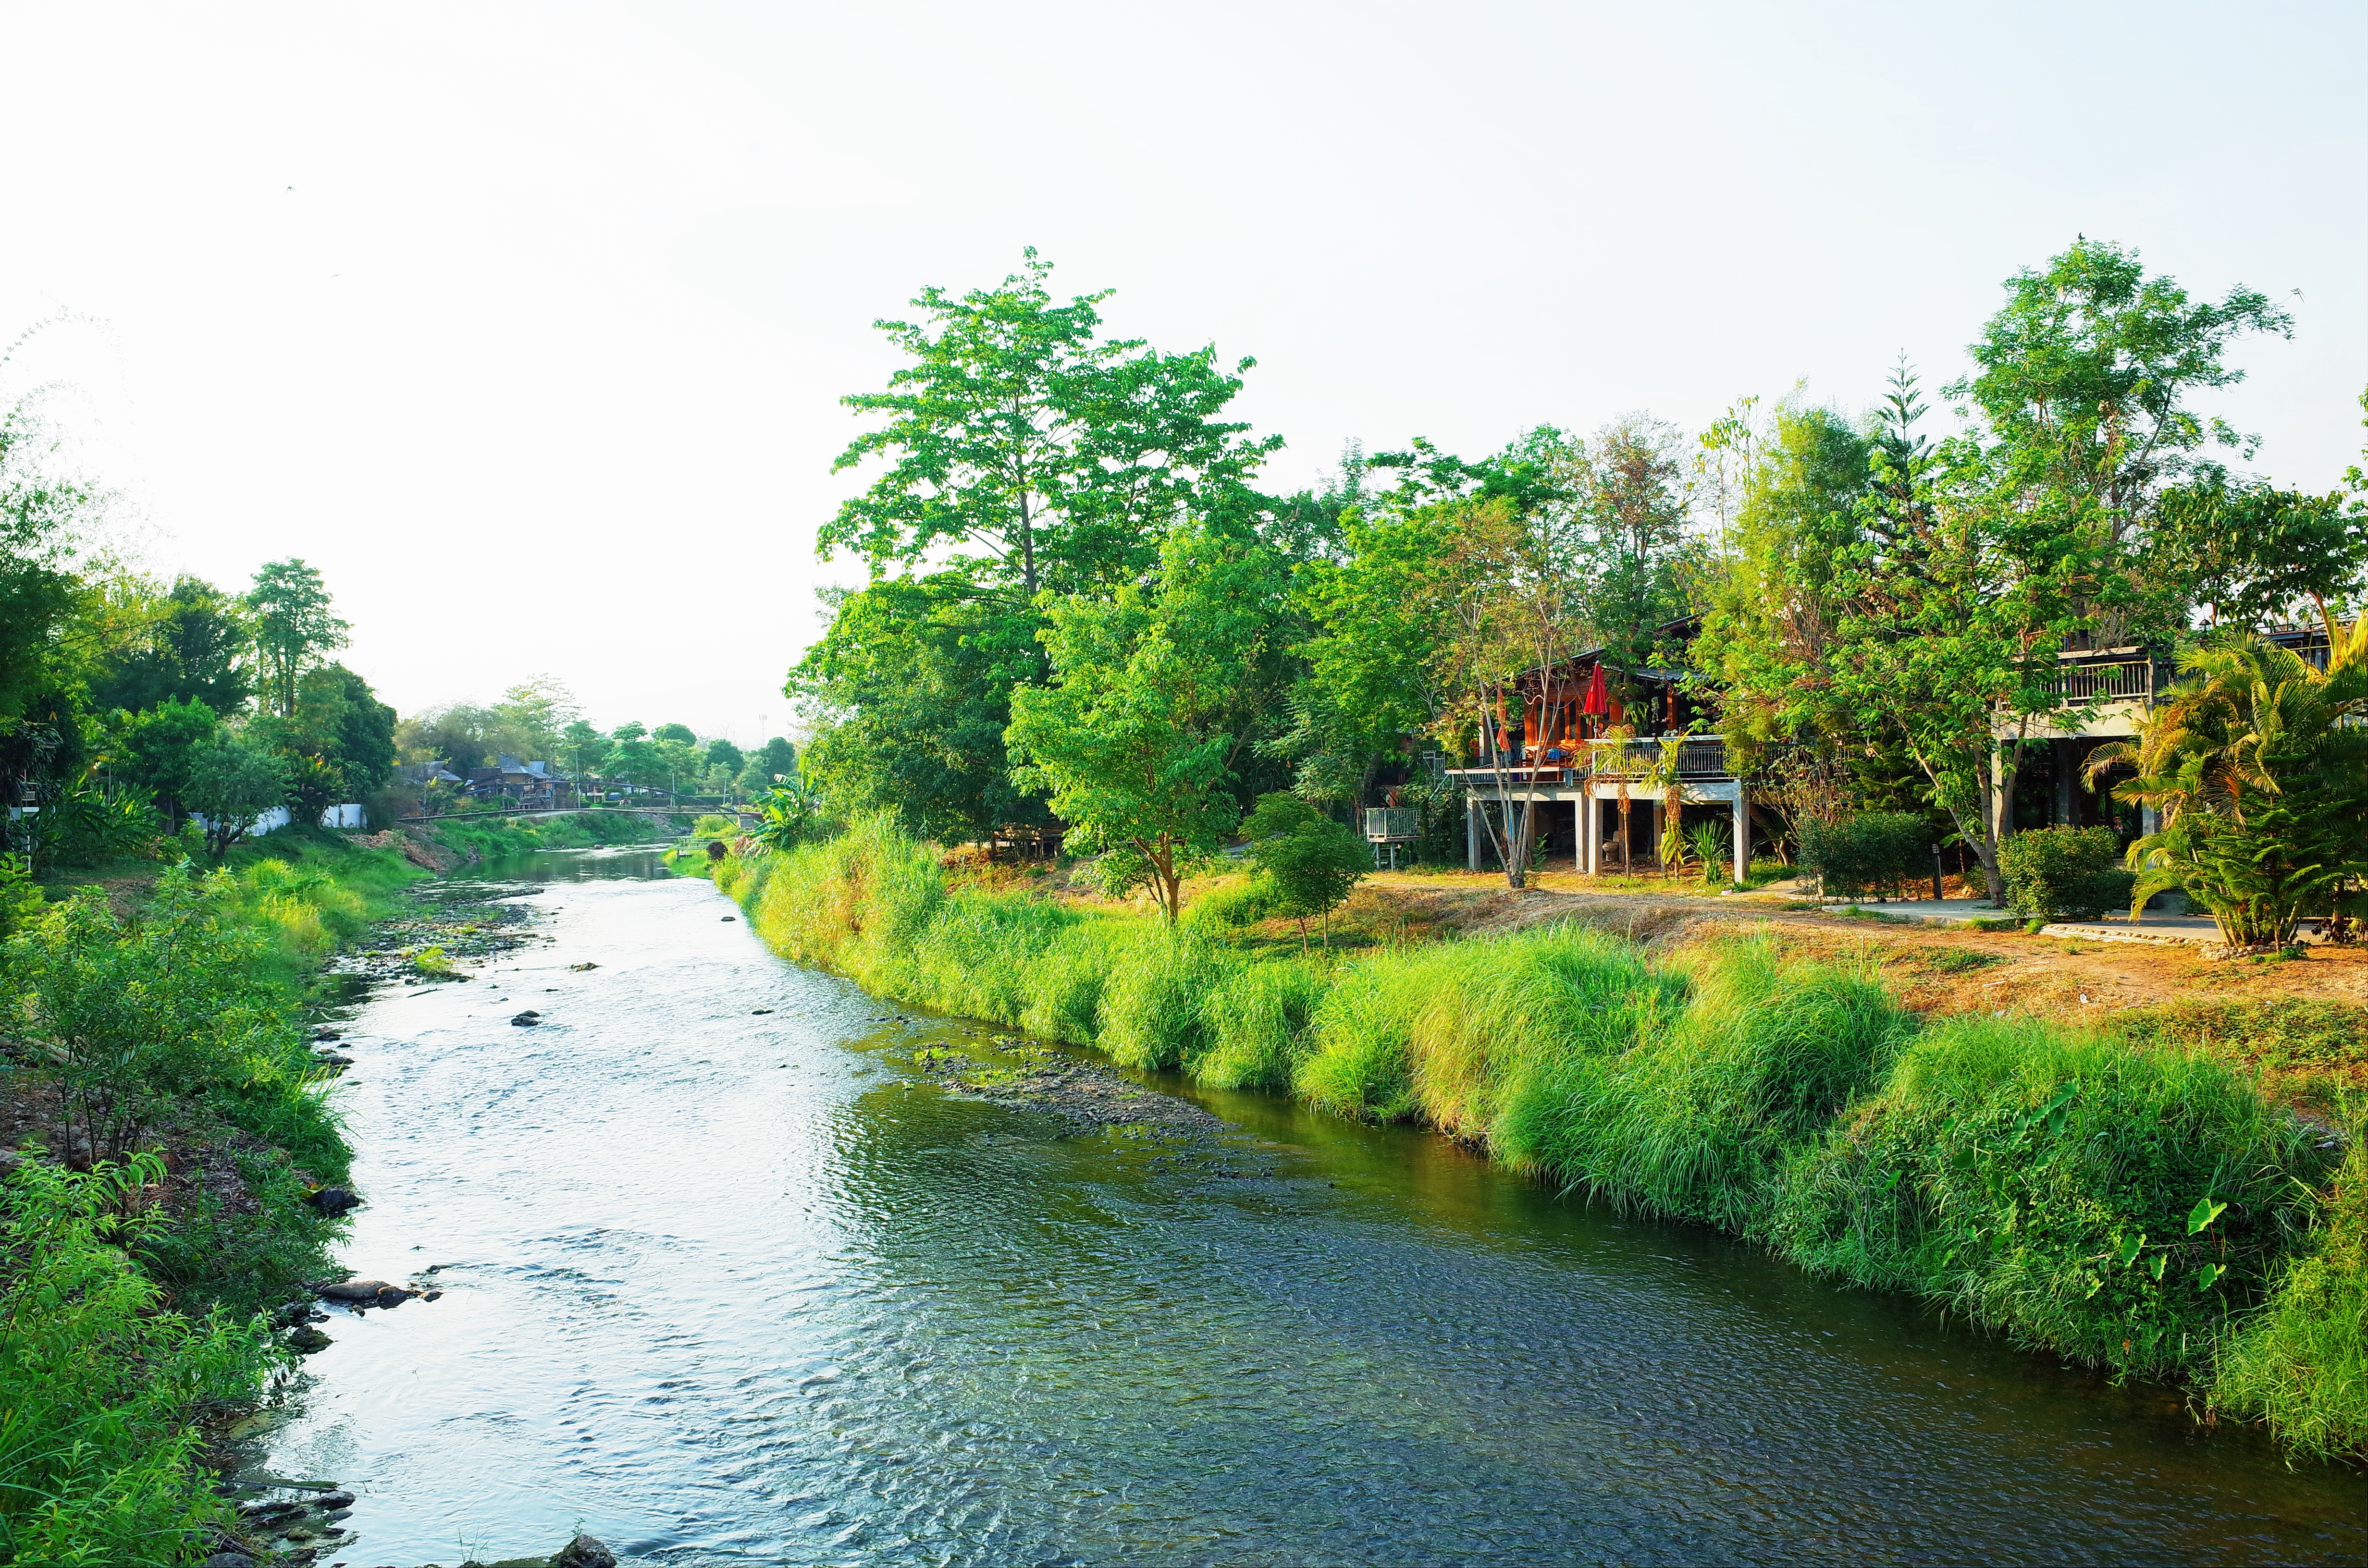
[
  {"x": 173, "y": 1181},
  {"x": 2139, "y": 1205}
]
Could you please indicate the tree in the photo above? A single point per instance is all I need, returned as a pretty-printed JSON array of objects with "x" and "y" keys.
[
  {"x": 584, "y": 748},
  {"x": 682, "y": 734},
  {"x": 774, "y": 762},
  {"x": 1131, "y": 740},
  {"x": 292, "y": 627},
  {"x": 1311, "y": 862},
  {"x": 2258, "y": 771},
  {"x": 1932, "y": 606},
  {"x": 157, "y": 750},
  {"x": 233, "y": 783},
  {"x": 338, "y": 724},
  {"x": 1013, "y": 431},
  {"x": 1508, "y": 603},
  {"x": 911, "y": 692},
  {"x": 1633, "y": 539},
  {"x": 791, "y": 812},
  {"x": 2257, "y": 554},
  {"x": 538, "y": 714},
  {"x": 721, "y": 753},
  {"x": 193, "y": 646}
]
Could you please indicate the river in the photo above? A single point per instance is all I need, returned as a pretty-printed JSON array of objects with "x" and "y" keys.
[{"x": 723, "y": 1286}]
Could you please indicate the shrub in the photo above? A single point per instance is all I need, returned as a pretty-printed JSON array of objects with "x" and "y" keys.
[
  {"x": 98, "y": 1384},
  {"x": 2058, "y": 873},
  {"x": 1875, "y": 852}
]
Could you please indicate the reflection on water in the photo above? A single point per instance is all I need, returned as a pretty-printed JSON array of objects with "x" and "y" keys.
[{"x": 727, "y": 1287}]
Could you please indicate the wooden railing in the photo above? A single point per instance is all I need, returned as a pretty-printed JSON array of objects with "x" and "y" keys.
[{"x": 2124, "y": 680}]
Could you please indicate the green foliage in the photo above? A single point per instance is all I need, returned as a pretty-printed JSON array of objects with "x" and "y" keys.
[
  {"x": 292, "y": 627},
  {"x": 1013, "y": 431},
  {"x": 2285, "y": 1033},
  {"x": 189, "y": 647},
  {"x": 2258, "y": 771},
  {"x": 2059, "y": 873},
  {"x": 1875, "y": 852},
  {"x": 1309, "y": 862},
  {"x": 1712, "y": 843},
  {"x": 130, "y": 1017},
  {"x": 792, "y": 813},
  {"x": 233, "y": 781},
  {"x": 157, "y": 749},
  {"x": 1150, "y": 696},
  {"x": 20, "y": 893},
  {"x": 2049, "y": 1184},
  {"x": 2301, "y": 1364},
  {"x": 99, "y": 1384}
]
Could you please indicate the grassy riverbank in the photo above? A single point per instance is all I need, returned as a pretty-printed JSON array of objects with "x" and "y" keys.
[
  {"x": 167, "y": 1122},
  {"x": 2143, "y": 1209}
]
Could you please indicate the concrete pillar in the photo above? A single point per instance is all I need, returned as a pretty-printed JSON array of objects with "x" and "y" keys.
[
  {"x": 1578, "y": 834},
  {"x": 2059, "y": 761},
  {"x": 1590, "y": 832},
  {"x": 1472, "y": 833},
  {"x": 1742, "y": 832}
]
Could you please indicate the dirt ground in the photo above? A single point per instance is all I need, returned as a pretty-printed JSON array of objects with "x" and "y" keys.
[{"x": 1999, "y": 971}]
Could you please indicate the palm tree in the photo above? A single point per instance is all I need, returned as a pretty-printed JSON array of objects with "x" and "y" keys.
[{"x": 2258, "y": 771}]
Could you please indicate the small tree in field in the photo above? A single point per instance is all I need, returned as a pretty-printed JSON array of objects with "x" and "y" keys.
[
  {"x": 1133, "y": 738},
  {"x": 232, "y": 784},
  {"x": 1312, "y": 862}
]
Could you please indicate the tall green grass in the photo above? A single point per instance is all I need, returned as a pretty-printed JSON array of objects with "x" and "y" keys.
[{"x": 2148, "y": 1211}]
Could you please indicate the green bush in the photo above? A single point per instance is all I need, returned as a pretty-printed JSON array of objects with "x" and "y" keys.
[
  {"x": 1873, "y": 853},
  {"x": 2065, "y": 874},
  {"x": 99, "y": 1384}
]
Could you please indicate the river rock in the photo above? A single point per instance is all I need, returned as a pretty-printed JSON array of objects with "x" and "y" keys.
[
  {"x": 528, "y": 1019},
  {"x": 306, "y": 1340},
  {"x": 333, "y": 1058},
  {"x": 230, "y": 1560},
  {"x": 580, "y": 968},
  {"x": 334, "y": 1200},
  {"x": 584, "y": 1552},
  {"x": 355, "y": 1289},
  {"x": 729, "y": 918}
]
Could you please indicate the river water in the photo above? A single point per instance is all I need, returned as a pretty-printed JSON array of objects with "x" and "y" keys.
[{"x": 727, "y": 1287}]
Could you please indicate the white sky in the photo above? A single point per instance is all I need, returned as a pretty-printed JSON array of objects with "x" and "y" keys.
[{"x": 526, "y": 322}]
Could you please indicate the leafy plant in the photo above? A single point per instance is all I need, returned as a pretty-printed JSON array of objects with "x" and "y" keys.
[
  {"x": 1873, "y": 852},
  {"x": 791, "y": 812},
  {"x": 2056, "y": 873},
  {"x": 1311, "y": 862},
  {"x": 2258, "y": 771},
  {"x": 1709, "y": 842}
]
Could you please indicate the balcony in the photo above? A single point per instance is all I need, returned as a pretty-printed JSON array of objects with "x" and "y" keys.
[
  {"x": 1698, "y": 757},
  {"x": 2119, "y": 680}
]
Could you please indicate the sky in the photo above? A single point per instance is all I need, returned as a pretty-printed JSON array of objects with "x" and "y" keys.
[{"x": 527, "y": 323}]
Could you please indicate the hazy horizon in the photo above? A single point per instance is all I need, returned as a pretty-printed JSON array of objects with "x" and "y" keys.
[{"x": 528, "y": 328}]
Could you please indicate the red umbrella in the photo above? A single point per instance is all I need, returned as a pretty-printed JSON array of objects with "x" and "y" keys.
[{"x": 1597, "y": 700}]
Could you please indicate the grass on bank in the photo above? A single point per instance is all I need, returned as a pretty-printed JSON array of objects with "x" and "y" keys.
[
  {"x": 489, "y": 837},
  {"x": 2149, "y": 1212},
  {"x": 153, "y": 1039}
]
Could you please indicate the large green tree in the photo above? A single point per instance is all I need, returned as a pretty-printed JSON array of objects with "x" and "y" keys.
[
  {"x": 1020, "y": 453},
  {"x": 293, "y": 628},
  {"x": 1045, "y": 457},
  {"x": 192, "y": 644}
]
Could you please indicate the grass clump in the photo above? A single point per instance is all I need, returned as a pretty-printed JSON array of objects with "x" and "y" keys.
[
  {"x": 2301, "y": 1364},
  {"x": 2116, "y": 1207}
]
